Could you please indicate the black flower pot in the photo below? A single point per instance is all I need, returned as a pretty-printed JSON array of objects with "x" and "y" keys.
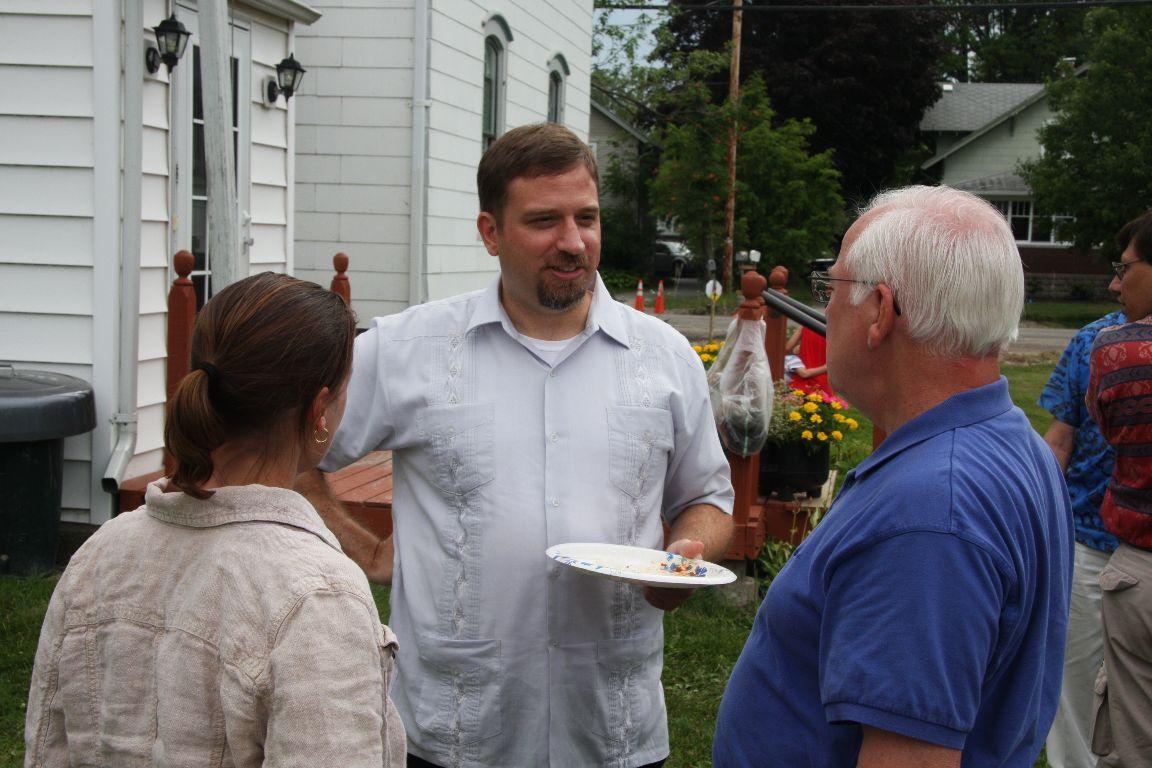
[{"x": 790, "y": 468}]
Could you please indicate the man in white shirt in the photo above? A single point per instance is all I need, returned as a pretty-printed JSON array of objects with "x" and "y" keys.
[{"x": 536, "y": 412}]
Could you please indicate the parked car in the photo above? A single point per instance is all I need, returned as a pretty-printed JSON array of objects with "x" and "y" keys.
[{"x": 671, "y": 258}]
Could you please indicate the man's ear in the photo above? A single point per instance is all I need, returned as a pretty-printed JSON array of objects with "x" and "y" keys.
[
  {"x": 884, "y": 322},
  {"x": 487, "y": 227}
]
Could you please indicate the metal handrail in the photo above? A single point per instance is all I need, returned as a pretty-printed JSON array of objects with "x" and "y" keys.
[{"x": 812, "y": 319}]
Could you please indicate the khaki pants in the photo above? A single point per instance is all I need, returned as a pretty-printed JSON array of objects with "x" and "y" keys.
[
  {"x": 1069, "y": 743},
  {"x": 1122, "y": 732}
]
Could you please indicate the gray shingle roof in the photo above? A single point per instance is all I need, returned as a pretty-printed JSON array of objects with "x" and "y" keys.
[
  {"x": 1004, "y": 182},
  {"x": 971, "y": 106}
]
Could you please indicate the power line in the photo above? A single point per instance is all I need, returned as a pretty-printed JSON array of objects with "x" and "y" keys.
[{"x": 945, "y": 7}]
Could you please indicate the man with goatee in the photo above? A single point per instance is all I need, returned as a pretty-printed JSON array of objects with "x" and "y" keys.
[{"x": 535, "y": 412}]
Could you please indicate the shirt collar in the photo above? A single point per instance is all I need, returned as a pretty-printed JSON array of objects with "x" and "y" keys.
[
  {"x": 962, "y": 409},
  {"x": 237, "y": 504},
  {"x": 602, "y": 316}
]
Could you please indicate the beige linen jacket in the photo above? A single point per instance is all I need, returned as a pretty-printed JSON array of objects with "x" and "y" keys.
[{"x": 226, "y": 632}]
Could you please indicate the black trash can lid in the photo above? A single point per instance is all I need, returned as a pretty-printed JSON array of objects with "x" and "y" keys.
[{"x": 39, "y": 405}]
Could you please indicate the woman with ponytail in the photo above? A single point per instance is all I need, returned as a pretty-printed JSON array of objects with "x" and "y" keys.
[{"x": 220, "y": 623}]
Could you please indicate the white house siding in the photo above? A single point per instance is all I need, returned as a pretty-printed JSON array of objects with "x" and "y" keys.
[
  {"x": 60, "y": 192},
  {"x": 47, "y": 204},
  {"x": 1000, "y": 148},
  {"x": 354, "y": 134}
]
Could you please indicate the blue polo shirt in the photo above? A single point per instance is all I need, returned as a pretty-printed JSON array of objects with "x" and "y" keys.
[
  {"x": 1090, "y": 465},
  {"x": 931, "y": 601}
]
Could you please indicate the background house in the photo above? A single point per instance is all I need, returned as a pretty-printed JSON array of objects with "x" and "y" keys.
[
  {"x": 400, "y": 101},
  {"x": 980, "y": 133},
  {"x": 102, "y": 174}
]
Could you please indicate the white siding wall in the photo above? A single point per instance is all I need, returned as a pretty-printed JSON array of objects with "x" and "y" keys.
[
  {"x": 354, "y": 139},
  {"x": 60, "y": 63},
  {"x": 154, "y": 258},
  {"x": 353, "y": 132},
  {"x": 47, "y": 204},
  {"x": 456, "y": 258}
]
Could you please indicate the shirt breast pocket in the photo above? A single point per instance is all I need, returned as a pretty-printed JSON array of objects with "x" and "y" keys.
[
  {"x": 639, "y": 442},
  {"x": 459, "y": 441}
]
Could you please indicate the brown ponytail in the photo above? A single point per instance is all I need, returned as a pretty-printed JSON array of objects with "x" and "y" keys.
[{"x": 262, "y": 349}]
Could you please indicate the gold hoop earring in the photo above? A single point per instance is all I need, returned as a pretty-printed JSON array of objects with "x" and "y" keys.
[{"x": 316, "y": 434}]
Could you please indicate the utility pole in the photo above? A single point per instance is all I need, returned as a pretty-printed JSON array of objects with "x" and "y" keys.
[{"x": 733, "y": 127}]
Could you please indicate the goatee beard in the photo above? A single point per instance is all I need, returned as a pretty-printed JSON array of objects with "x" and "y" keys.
[{"x": 560, "y": 298}]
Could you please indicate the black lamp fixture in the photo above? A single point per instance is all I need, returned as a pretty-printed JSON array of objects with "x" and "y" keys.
[
  {"x": 171, "y": 39},
  {"x": 289, "y": 73}
]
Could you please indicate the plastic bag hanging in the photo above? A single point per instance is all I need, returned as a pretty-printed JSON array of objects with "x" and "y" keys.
[{"x": 740, "y": 386}]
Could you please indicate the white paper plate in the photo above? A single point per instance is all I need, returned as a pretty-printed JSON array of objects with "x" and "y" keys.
[{"x": 638, "y": 565}]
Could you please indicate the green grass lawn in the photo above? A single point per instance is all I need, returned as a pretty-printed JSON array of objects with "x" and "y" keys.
[
  {"x": 1067, "y": 314},
  {"x": 703, "y": 638}
]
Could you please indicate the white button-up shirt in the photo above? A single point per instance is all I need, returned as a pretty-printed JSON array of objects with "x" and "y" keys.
[{"x": 509, "y": 658}]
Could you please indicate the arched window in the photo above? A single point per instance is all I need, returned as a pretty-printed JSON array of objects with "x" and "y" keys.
[
  {"x": 496, "y": 39},
  {"x": 557, "y": 74}
]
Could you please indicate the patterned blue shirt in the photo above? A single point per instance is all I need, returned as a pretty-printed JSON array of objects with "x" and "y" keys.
[{"x": 1092, "y": 458}]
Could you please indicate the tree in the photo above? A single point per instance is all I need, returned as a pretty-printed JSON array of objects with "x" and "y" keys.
[
  {"x": 1097, "y": 161},
  {"x": 1012, "y": 45},
  {"x": 864, "y": 79},
  {"x": 787, "y": 201}
]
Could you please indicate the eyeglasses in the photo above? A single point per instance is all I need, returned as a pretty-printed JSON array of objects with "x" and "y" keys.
[
  {"x": 822, "y": 287},
  {"x": 1122, "y": 267}
]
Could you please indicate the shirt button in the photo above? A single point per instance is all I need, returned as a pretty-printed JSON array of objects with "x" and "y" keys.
[
  {"x": 554, "y": 643},
  {"x": 554, "y": 437},
  {"x": 554, "y": 573},
  {"x": 555, "y": 502}
]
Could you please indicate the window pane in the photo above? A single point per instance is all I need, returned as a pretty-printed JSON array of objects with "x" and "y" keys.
[
  {"x": 1042, "y": 229},
  {"x": 554, "y": 84},
  {"x": 235, "y": 87},
  {"x": 199, "y": 163},
  {"x": 200, "y": 284},
  {"x": 199, "y": 235},
  {"x": 492, "y": 52},
  {"x": 1020, "y": 227},
  {"x": 197, "y": 90}
]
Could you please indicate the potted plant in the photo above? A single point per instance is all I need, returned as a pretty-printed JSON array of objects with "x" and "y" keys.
[{"x": 801, "y": 432}]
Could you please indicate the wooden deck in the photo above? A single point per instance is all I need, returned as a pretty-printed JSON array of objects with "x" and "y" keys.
[{"x": 364, "y": 487}]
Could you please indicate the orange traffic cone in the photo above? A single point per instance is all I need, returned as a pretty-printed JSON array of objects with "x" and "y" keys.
[
  {"x": 660, "y": 298},
  {"x": 639, "y": 296}
]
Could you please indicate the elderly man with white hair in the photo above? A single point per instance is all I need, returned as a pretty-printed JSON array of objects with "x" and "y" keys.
[{"x": 923, "y": 621}]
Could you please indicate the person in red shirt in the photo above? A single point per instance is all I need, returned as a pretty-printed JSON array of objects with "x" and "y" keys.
[
  {"x": 813, "y": 375},
  {"x": 1120, "y": 400}
]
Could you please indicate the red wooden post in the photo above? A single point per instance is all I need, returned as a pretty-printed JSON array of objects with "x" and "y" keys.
[
  {"x": 776, "y": 334},
  {"x": 181, "y": 317},
  {"x": 746, "y": 469},
  {"x": 340, "y": 285}
]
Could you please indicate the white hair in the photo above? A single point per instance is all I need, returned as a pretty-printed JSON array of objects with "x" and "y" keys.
[{"x": 952, "y": 263}]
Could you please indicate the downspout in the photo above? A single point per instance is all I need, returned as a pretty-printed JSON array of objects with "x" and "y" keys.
[
  {"x": 124, "y": 420},
  {"x": 417, "y": 195}
]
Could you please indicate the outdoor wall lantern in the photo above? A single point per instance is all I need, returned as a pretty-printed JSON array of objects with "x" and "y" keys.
[
  {"x": 171, "y": 39},
  {"x": 289, "y": 73}
]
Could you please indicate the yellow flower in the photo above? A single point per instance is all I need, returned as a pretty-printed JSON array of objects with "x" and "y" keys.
[
  {"x": 816, "y": 419},
  {"x": 837, "y": 434},
  {"x": 821, "y": 436},
  {"x": 697, "y": 348},
  {"x": 706, "y": 358},
  {"x": 794, "y": 416},
  {"x": 852, "y": 423},
  {"x": 815, "y": 397},
  {"x": 811, "y": 407},
  {"x": 806, "y": 434},
  {"x": 836, "y": 406},
  {"x": 798, "y": 392},
  {"x": 838, "y": 417}
]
